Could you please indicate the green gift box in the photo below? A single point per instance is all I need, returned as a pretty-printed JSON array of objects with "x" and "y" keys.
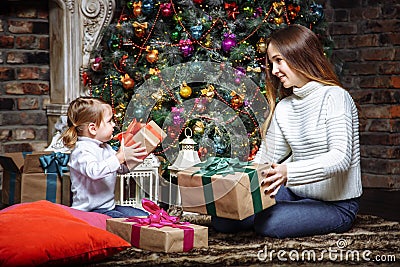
[{"x": 224, "y": 187}]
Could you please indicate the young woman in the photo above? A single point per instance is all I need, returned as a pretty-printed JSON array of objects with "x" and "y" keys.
[
  {"x": 311, "y": 140},
  {"x": 93, "y": 163}
]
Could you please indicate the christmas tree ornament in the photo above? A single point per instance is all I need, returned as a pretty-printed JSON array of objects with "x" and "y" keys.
[
  {"x": 198, "y": 127},
  {"x": 278, "y": 20},
  {"x": 208, "y": 91},
  {"x": 317, "y": 12},
  {"x": 293, "y": 10},
  {"x": 199, "y": 2},
  {"x": 140, "y": 28},
  {"x": 127, "y": 82},
  {"x": 208, "y": 43},
  {"x": 186, "y": 47},
  {"x": 137, "y": 9},
  {"x": 196, "y": 31},
  {"x": 166, "y": 10},
  {"x": 177, "y": 117},
  {"x": 248, "y": 9},
  {"x": 201, "y": 104},
  {"x": 278, "y": 8},
  {"x": 261, "y": 46},
  {"x": 185, "y": 91},
  {"x": 236, "y": 100},
  {"x": 177, "y": 18},
  {"x": 147, "y": 7},
  {"x": 113, "y": 42},
  {"x": 85, "y": 78},
  {"x": 219, "y": 145},
  {"x": 228, "y": 42},
  {"x": 258, "y": 12},
  {"x": 129, "y": 5},
  {"x": 175, "y": 35},
  {"x": 173, "y": 131},
  {"x": 119, "y": 111},
  {"x": 152, "y": 56},
  {"x": 96, "y": 64},
  {"x": 232, "y": 9}
]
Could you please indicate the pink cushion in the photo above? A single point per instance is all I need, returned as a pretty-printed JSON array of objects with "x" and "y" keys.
[{"x": 92, "y": 218}]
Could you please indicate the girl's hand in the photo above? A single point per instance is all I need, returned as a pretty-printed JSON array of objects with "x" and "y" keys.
[
  {"x": 132, "y": 155},
  {"x": 274, "y": 178}
]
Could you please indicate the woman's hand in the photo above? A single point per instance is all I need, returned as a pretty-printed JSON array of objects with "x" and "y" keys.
[{"x": 274, "y": 178}]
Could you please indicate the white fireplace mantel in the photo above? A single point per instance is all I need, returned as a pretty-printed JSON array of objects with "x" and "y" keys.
[{"x": 75, "y": 30}]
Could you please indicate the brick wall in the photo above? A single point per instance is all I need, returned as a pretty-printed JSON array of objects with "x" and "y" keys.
[
  {"x": 366, "y": 36},
  {"x": 24, "y": 75}
]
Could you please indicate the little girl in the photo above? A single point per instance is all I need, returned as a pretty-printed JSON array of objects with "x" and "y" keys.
[{"x": 93, "y": 163}]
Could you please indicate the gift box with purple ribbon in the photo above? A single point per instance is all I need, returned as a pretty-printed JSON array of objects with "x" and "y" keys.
[{"x": 159, "y": 231}]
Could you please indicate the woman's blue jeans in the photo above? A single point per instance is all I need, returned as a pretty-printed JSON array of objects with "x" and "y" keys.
[
  {"x": 294, "y": 216},
  {"x": 122, "y": 212}
]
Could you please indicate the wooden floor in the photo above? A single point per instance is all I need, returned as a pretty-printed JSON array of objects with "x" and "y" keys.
[{"x": 381, "y": 202}]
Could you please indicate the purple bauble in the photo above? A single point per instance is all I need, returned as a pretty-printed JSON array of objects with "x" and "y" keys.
[
  {"x": 186, "y": 47},
  {"x": 228, "y": 42}
]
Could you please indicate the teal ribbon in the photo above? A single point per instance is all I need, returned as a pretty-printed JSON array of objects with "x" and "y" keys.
[
  {"x": 13, "y": 180},
  {"x": 53, "y": 165},
  {"x": 225, "y": 166},
  {"x": 55, "y": 162}
]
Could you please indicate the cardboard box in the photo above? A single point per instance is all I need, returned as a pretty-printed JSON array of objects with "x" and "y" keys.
[
  {"x": 24, "y": 179},
  {"x": 12, "y": 172},
  {"x": 234, "y": 196},
  {"x": 164, "y": 239}
]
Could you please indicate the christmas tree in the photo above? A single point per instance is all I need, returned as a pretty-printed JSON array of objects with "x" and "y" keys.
[{"x": 196, "y": 64}]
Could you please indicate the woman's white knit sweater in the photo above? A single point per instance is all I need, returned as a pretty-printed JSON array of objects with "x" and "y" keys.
[{"x": 318, "y": 124}]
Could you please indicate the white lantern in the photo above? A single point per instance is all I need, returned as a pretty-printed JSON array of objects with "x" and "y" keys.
[{"x": 187, "y": 157}]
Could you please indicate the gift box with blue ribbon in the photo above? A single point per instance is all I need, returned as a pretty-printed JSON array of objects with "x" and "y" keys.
[
  {"x": 224, "y": 187},
  {"x": 12, "y": 164},
  {"x": 42, "y": 176}
]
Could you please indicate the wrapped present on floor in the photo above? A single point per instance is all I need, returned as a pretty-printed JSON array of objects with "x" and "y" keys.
[
  {"x": 12, "y": 164},
  {"x": 42, "y": 175},
  {"x": 150, "y": 135},
  {"x": 224, "y": 187},
  {"x": 159, "y": 231}
]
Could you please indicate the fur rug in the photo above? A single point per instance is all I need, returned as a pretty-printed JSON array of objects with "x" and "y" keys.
[{"x": 372, "y": 239}]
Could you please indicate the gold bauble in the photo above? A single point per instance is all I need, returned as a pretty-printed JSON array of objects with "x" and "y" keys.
[
  {"x": 198, "y": 128},
  {"x": 185, "y": 90},
  {"x": 152, "y": 56},
  {"x": 127, "y": 82},
  {"x": 278, "y": 20},
  {"x": 261, "y": 46}
]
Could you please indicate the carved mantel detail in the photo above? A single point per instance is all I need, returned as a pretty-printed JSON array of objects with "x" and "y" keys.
[{"x": 75, "y": 28}]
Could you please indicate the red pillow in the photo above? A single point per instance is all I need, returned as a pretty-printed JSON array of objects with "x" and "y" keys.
[
  {"x": 93, "y": 218},
  {"x": 42, "y": 232}
]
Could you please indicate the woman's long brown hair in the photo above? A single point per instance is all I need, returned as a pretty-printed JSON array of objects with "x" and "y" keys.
[{"x": 303, "y": 52}]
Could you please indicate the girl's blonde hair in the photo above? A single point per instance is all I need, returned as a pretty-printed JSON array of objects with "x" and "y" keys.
[
  {"x": 303, "y": 52},
  {"x": 81, "y": 112}
]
